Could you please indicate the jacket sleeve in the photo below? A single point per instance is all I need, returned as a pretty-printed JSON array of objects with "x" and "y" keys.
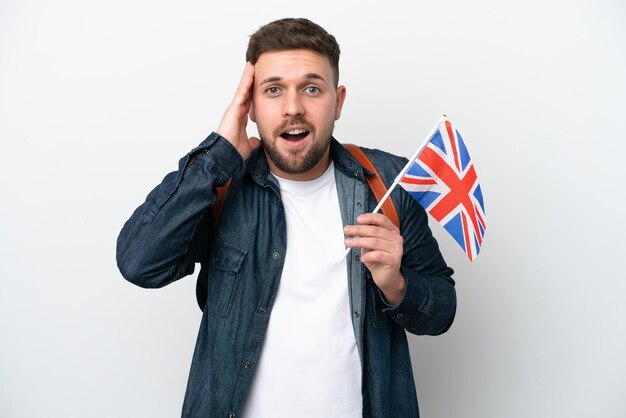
[
  {"x": 170, "y": 231},
  {"x": 429, "y": 303}
]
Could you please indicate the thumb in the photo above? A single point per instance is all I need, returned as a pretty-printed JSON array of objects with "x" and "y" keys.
[{"x": 254, "y": 143}]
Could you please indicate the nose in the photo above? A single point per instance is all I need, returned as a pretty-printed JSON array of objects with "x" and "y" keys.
[{"x": 292, "y": 104}]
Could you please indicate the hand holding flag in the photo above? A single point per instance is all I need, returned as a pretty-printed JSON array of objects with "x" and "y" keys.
[{"x": 442, "y": 178}]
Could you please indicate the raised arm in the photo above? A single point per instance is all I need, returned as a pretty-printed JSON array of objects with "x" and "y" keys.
[{"x": 171, "y": 230}]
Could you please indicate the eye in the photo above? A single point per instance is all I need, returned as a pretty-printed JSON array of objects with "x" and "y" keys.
[
  {"x": 272, "y": 90},
  {"x": 313, "y": 90}
]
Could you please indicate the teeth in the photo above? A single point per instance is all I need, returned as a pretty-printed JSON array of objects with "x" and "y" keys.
[{"x": 296, "y": 131}]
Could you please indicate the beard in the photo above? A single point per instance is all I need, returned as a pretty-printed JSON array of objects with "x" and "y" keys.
[{"x": 296, "y": 161}]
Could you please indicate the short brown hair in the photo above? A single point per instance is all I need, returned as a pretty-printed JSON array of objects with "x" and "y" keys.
[{"x": 294, "y": 33}]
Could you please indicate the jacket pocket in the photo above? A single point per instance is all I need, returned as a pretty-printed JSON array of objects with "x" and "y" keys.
[{"x": 225, "y": 266}]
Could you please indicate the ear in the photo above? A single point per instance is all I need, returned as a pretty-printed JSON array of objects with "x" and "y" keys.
[
  {"x": 251, "y": 112},
  {"x": 341, "y": 97}
]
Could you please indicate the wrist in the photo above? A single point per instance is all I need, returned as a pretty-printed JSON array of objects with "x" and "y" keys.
[
  {"x": 232, "y": 140},
  {"x": 394, "y": 291}
]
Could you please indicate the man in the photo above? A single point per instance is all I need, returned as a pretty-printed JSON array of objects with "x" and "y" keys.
[{"x": 287, "y": 329}]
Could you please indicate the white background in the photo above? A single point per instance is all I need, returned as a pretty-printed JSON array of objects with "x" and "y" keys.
[{"x": 98, "y": 100}]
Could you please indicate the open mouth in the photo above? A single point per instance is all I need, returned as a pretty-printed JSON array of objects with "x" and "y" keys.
[{"x": 294, "y": 134}]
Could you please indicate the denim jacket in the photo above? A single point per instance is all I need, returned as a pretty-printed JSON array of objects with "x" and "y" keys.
[{"x": 174, "y": 229}]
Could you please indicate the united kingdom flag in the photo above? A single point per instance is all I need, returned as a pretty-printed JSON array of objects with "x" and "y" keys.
[{"x": 443, "y": 180}]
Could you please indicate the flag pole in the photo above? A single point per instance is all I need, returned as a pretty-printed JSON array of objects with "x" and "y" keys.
[{"x": 441, "y": 119}]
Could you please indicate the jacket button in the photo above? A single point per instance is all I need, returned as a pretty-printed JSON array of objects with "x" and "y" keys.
[
  {"x": 399, "y": 316},
  {"x": 359, "y": 204},
  {"x": 357, "y": 257},
  {"x": 275, "y": 255},
  {"x": 231, "y": 415},
  {"x": 246, "y": 364},
  {"x": 356, "y": 314},
  {"x": 356, "y": 173},
  {"x": 262, "y": 309}
]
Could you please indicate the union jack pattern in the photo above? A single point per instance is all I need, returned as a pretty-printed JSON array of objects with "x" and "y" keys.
[{"x": 443, "y": 180}]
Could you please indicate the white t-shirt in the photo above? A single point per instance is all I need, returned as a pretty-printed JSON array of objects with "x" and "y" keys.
[{"x": 309, "y": 364}]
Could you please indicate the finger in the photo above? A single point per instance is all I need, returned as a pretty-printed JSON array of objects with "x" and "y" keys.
[
  {"x": 371, "y": 231},
  {"x": 246, "y": 70},
  {"x": 380, "y": 257},
  {"x": 376, "y": 219},
  {"x": 242, "y": 93},
  {"x": 374, "y": 244}
]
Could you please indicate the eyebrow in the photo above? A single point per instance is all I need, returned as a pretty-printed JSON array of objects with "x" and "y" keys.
[{"x": 308, "y": 75}]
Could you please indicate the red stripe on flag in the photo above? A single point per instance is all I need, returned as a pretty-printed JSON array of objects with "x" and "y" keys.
[
  {"x": 480, "y": 219},
  {"x": 468, "y": 249},
  {"x": 459, "y": 188},
  {"x": 476, "y": 217},
  {"x": 412, "y": 180},
  {"x": 455, "y": 152}
]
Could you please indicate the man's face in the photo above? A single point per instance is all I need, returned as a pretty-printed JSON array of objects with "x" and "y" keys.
[{"x": 295, "y": 105}]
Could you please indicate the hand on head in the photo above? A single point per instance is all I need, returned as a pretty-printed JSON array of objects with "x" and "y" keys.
[{"x": 235, "y": 119}]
